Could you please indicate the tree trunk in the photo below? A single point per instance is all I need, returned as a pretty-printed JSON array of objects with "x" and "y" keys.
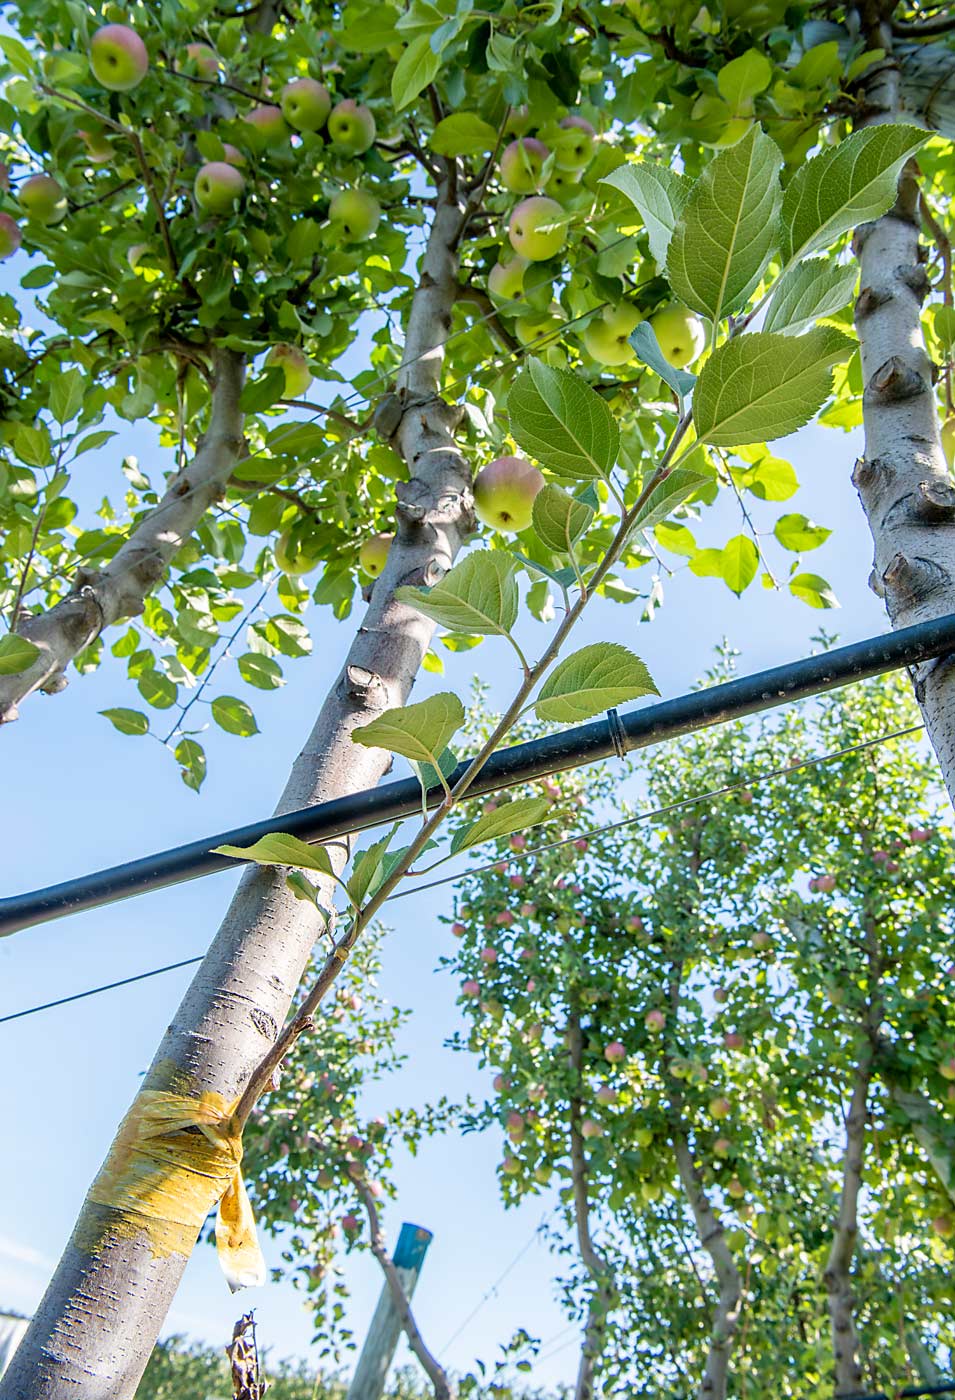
[
  {"x": 98, "y": 1321},
  {"x": 713, "y": 1385},
  {"x": 838, "y": 1271},
  {"x": 903, "y": 480},
  {"x": 596, "y": 1266},
  {"x": 100, "y": 597}
]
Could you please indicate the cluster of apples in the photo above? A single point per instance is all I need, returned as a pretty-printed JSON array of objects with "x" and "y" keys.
[{"x": 42, "y": 200}]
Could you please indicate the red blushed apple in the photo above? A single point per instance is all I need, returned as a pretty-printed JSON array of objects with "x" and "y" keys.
[
  {"x": 218, "y": 187},
  {"x": 203, "y": 59},
  {"x": 488, "y": 955},
  {"x": 655, "y": 1021},
  {"x": 606, "y": 1095},
  {"x": 351, "y": 1224},
  {"x": 10, "y": 236},
  {"x": 470, "y": 988},
  {"x": 510, "y": 1166},
  {"x": 522, "y": 164},
  {"x": 722, "y": 1147},
  {"x": 734, "y": 1041},
  {"x": 458, "y": 930},
  {"x": 918, "y": 834},
  {"x": 616, "y": 1052},
  {"x": 720, "y": 1108},
  {"x": 118, "y": 57},
  {"x": 590, "y": 1129},
  {"x": 505, "y": 918},
  {"x": 946, "y": 1067},
  {"x": 504, "y": 493},
  {"x": 943, "y": 1226},
  {"x": 527, "y": 911},
  {"x": 536, "y": 1093},
  {"x": 721, "y": 995},
  {"x": 500, "y": 1083}
]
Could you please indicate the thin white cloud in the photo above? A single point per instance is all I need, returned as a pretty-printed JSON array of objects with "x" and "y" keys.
[{"x": 23, "y": 1254}]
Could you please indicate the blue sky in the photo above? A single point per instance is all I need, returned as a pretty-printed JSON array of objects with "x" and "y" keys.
[{"x": 79, "y": 796}]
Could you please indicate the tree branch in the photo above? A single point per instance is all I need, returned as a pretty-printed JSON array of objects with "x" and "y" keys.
[
  {"x": 484, "y": 304},
  {"x": 837, "y": 1274},
  {"x": 431, "y": 1366}
]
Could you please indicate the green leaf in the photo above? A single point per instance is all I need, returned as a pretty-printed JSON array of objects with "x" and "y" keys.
[
  {"x": 419, "y": 732},
  {"x": 593, "y": 679},
  {"x": 278, "y": 848},
  {"x": 797, "y": 532},
  {"x": 261, "y": 393},
  {"x": 846, "y": 185},
  {"x": 807, "y": 292},
  {"x": 676, "y": 487},
  {"x": 463, "y": 134},
  {"x": 676, "y": 538},
  {"x": 728, "y": 228},
  {"x": 417, "y": 67},
  {"x": 743, "y": 79},
  {"x": 234, "y": 716},
  {"x": 92, "y": 441},
  {"x": 518, "y": 815},
  {"x": 562, "y": 422},
  {"x": 812, "y": 589},
  {"x": 31, "y": 443},
  {"x": 127, "y": 721},
  {"x": 647, "y": 349},
  {"x": 771, "y": 479},
  {"x": 763, "y": 386},
  {"x": 191, "y": 758},
  {"x": 16, "y": 654},
  {"x": 478, "y": 595},
  {"x": 260, "y": 671},
  {"x": 739, "y": 563},
  {"x": 559, "y": 518},
  {"x": 367, "y": 871},
  {"x": 302, "y": 888},
  {"x": 156, "y": 689},
  {"x": 428, "y": 775},
  {"x": 658, "y": 194},
  {"x": 66, "y": 394},
  {"x": 375, "y": 31}
]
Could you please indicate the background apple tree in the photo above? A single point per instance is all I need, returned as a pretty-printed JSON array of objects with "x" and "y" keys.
[{"x": 725, "y": 1034}]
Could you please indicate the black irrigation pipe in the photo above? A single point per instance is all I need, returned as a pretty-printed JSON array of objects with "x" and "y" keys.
[{"x": 538, "y": 758}]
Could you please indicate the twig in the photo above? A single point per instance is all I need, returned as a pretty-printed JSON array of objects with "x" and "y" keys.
[{"x": 494, "y": 323}]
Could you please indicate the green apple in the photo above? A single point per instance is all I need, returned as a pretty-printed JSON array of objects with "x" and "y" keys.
[
  {"x": 291, "y": 360},
  {"x": 293, "y": 554},
  {"x": 305, "y": 104},
  {"x": 355, "y": 213},
  {"x": 681, "y": 335},
  {"x": 948, "y": 440},
  {"x": 218, "y": 186},
  {"x": 720, "y": 1108},
  {"x": 351, "y": 127},
  {"x": 203, "y": 59},
  {"x": 563, "y": 184},
  {"x": 510, "y": 1166},
  {"x": 506, "y": 280},
  {"x": 98, "y": 148},
  {"x": 373, "y": 555},
  {"x": 537, "y": 228},
  {"x": 607, "y": 337},
  {"x": 522, "y": 163},
  {"x": 270, "y": 122},
  {"x": 504, "y": 493},
  {"x": 118, "y": 57},
  {"x": 519, "y": 121},
  {"x": 232, "y": 155},
  {"x": 541, "y": 329},
  {"x": 574, "y": 147},
  {"x": 10, "y": 236},
  {"x": 42, "y": 199}
]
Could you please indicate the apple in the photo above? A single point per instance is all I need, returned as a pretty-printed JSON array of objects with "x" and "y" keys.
[
  {"x": 351, "y": 1224},
  {"x": 590, "y": 1129},
  {"x": 634, "y": 924},
  {"x": 505, "y": 918},
  {"x": 823, "y": 884},
  {"x": 98, "y": 148},
  {"x": 325, "y": 1179},
  {"x": 10, "y": 236},
  {"x": 504, "y": 493},
  {"x": 537, "y": 228},
  {"x": 355, "y": 213},
  {"x": 680, "y": 334},
  {"x": 488, "y": 955},
  {"x": 540, "y": 328},
  {"x": 519, "y": 121},
  {"x": 563, "y": 184},
  {"x": 500, "y": 1083},
  {"x": 510, "y": 1166},
  {"x": 305, "y": 104},
  {"x": 505, "y": 281},
  {"x": 761, "y": 941},
  {"x": 218, "y": 186},
  {"x": 42, "y": 199},
  {"x": 721, "y": 995},
  {"x": 574, "y": 146},
  {"x": 534, "y": 1032},
  {"x": 351, "y": 127},
  {"x": 232, "y": 155},
  {"x": 537, "y": 1092},
  {"x": 470, "y": 988},
  {"x": 372, "y": 557},
  {"x": 522, "y": 163},
  {"x": 918, "y": 834},
  {"x": 655, "y": 1021},
  {"x": 457, "y": 930},
  {"x": 542, "y": 1175},
  {"x": 722, "y": 1147},
  {"x": 581, "y": 844},
  {"x": 293, "y": 555},
  {"x": 527, "y": 911},
  {"x": 516, "y": 882},
  {"x": 948, "y": 440},
  {"x": 944, "y": 1226},
  {"x": 270, "y": 122},
  {"x": 515, "y": 1127},
  {"x": 606, "y": 1095},
  {"x": 720, "y": 1107},
  {"x": 607, "y": 337},
  {"x": 615, "y": 1053},
  {"x": 734, "y": 1041},
  {"x": 118, "y": 57},
  {"x": 947, "y": 1068},
  {"x": 293, "y": 364},
  {"x": 518, "y": 841},
  {"x": 203, "y": 59}
]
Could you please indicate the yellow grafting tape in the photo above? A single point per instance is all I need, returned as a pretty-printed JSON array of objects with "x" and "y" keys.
[{"x": 163, "y": 1180}]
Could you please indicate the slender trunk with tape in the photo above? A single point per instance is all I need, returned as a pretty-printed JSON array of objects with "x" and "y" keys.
[
  {"x": 97, "y": 1323},
  {"x": 903, "y": 480},
  {"x": 100, "y": 597}
]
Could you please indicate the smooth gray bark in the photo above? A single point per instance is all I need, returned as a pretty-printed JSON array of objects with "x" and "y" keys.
[
  {"x": 837, "y": 1275},
  {"x": 98, "y": 1321},
  {"x": 100, "y": 597}
]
